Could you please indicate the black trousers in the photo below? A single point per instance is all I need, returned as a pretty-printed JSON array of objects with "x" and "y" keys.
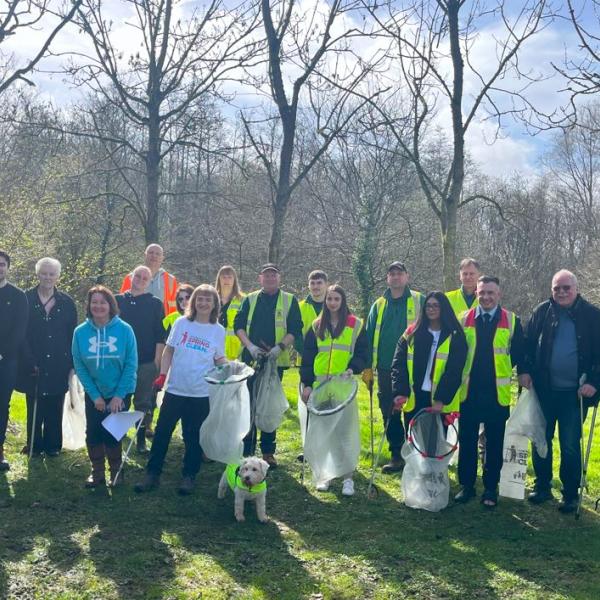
[
  {"x": 268, "y": 444},
  {"x": 192, "y": 412},
  {"x": 48, "y": 422},
  {"x": 468, "y": 437},
  {"x": 8, "y": 379},
  {"x": 395, "y": 432},
  {"x": 95, "y": 434}
]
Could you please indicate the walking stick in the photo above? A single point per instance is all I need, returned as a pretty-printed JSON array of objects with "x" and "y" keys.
[
  {"x": 585, "y": 461},
  {"x": 126, "y": 455},
  {"x": 33, "y": 424}
]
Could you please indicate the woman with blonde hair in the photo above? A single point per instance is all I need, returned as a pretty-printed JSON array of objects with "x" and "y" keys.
[
  {"x": 195, "y": 345},
  {"x": 231, "y": 296}
]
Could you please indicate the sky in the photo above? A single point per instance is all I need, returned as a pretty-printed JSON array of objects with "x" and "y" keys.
[{"x": 514, "y": 149}]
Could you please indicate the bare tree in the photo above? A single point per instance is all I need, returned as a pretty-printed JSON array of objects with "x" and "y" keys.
[
  {"x": 180, "y": 60},
  {"x": 313, "y": 69},
  {"x": 21, "y": 18},
  {"x": 436, "y": 48}
]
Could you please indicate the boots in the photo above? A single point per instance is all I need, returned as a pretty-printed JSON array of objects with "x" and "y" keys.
[
  {"x": 150, "y": 482},
  {"x": 141, "y": 441},
  {"x": 97, "y": 477},
  {"x": 4, "y": 466},
  {"x": 114, "y": 455}
]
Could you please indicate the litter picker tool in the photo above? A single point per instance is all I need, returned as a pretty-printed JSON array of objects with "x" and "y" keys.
[
  {"x": 36, "y": 378},
  {"x": 585, "y": 461},
  {"x": 373, "y": 490}
]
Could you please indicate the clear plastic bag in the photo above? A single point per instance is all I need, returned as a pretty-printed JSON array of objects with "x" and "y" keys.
[
  {"x": 270, "y": 402},
  {"x": 302, "y": 414},
  {"x": 73, "y": 424},
  {"x": 228, "y": 421},
  {"x": 527, "y": 419},
  {"x": 425, "y": 482},
  {"x": 332, "y": 444}
]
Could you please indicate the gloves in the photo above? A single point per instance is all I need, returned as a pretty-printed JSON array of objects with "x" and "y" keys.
[
  {"x": 159, "y": 382},
  {"x": 367, "y": 377},
  {"x": 347, "y": 374},
  {"x": 275, "y": 351},
  {"x": 449, "y": 418},
  {"x": 255, "y": 351},
  {"x": 399, "y": 402}
]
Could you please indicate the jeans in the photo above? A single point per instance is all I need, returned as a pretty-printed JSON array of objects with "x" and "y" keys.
[
  {"x": 267, "y": 438},
  {"x": 95, "y": 433},
  {"x": 8, "y": 378},
  {"x": 563, "y": 408},
  {"x": 395, "y": 432},
  {"x": 192, "y": 412},
  {"x": 48, "y": 422}
]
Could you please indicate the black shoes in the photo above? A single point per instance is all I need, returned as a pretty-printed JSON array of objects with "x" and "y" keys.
[
  {"x": 186, "y": 487},
  {"x": 149, "y": 482},
  {"x": 568, "y": 506},
  {"x": 464, "y": 495},
  {"x": 540, "y": 496}
]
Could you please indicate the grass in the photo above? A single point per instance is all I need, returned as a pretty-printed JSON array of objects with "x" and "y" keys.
[{"x": 60, "y": 541}]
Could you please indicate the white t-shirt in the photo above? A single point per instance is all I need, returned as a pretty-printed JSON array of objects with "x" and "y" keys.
[
  {"x": 197, "y": 346},
  {"x": 426, "y": 387}
]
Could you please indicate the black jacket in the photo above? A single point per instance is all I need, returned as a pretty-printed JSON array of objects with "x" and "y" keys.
[
  {"x": 357, "y": 363},
  {"x": 13, "y": 320},
  {"x": 47, "y": 345},
  {"x": 452, "y": 376},
  {"x": 539, "y": 338}
]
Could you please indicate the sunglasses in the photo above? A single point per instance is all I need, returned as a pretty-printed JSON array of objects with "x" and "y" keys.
[
  {"x": 562, "y": 288},
  {"x": 182, "y": 298}
]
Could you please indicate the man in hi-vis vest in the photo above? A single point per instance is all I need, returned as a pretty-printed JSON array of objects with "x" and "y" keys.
[
  {"x": 268, "y": 322},
  {"x": 495, "y": 345},
  {"x": 465, "y": 297},
  {"x": 311, "y": 306},
  {"x": 388, "y": 318}
]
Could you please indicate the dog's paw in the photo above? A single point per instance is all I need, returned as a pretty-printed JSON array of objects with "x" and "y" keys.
[
  {"x": 263, "y": 519},
  {"x": 240, "y": 518}
]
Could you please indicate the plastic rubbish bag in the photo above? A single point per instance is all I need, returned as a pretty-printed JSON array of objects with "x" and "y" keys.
[
  {"x": 427, "y": 453},
  {"x": 332, "y": 444},
  {"x": 527, "y": 419},
  {"x": 270, "y": 402},
  {"x": 73, "y": 425},
  {"x": 228, "y": 421},
  {"x": 514, "y": 467},
  {"x": 302, "y": 414}
]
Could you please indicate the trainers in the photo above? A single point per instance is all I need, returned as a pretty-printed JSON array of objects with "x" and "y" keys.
[
  {"x": 568, "y": 506},
  {"x": 186, "y": 487},
  {"x": 540, "y": 496},
  {"x": 348, "y": 487},
  {"x": 394, "y": 466},
  {"x": 270, "y": 460},
  {"x": 323, "y": 487},
  {"x": 149, "y": 482}
]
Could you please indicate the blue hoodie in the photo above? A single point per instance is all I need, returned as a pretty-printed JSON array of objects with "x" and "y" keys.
[{"x": 105, "y": 358}]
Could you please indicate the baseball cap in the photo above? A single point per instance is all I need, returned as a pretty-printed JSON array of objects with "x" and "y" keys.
[
  {"x": 269, "y": 267},
  {"x": 397, "y": 265}
]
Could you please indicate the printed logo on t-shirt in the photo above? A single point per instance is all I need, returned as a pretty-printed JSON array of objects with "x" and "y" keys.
[
  {"x": 193, "y": 342},
  {"x": 110, "y": 344}
]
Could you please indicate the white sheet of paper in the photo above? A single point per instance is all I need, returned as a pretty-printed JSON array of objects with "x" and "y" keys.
[{"x": 118, "y": 424}]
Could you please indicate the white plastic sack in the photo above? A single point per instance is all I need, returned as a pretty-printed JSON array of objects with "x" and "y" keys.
[
  {"x": 425, "y": 483},
  {"x": 514, "y": 466},
  {"x": 228, "y": 421},
  {"x": 302, "y": 412},
  {"x": 332, "y": 443},
  {"x": 527, "y": 419},
  {"x": 73, "y": 425},
  {"x": 270, "y": 402}
]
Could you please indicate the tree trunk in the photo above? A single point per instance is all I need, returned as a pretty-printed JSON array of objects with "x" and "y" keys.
[
  {"x": 448, "y": 221},
  {"x": 152, "y": 178}
]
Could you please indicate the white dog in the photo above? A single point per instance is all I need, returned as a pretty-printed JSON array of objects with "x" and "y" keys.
[{"x": 248, "y": 483}]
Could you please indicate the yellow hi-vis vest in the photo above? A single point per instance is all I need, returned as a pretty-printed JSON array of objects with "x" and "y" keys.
[
  {"x": 334, "y": 354},
  {"x": 501, "y": 344},
  {"x": 412, "y": 302},
  {"x": 233, "y": 345},
  {"x": 282, "y": 308},
  {"x": 457, "y": 301},
  {"x": 439, "y": 366},
  {"x": 309, "y": 314},
  {"x": 170, "y": 319}
]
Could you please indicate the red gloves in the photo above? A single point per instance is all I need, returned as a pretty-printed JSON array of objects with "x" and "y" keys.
[
  {"x": 159, "y": 382},
  {"x": 450, "y": 418}
]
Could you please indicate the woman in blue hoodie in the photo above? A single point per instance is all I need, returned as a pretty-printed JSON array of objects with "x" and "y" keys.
[{"x": 105, "y": 360}]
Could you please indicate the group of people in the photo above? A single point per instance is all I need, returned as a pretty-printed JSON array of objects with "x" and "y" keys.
[{"x": 453, "y": 352}]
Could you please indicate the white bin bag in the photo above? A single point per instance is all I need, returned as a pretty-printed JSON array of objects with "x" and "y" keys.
[
  {"x": 228, "y": 421},
  {"x": 302, "y": 414},
  {"x": 527, "y": 419},
  {"x": 270, "y": 402},
  {"x": 427, "y": 453},
  {"x": 73, "y": 425},
  {"x": 332, "y": 444}
]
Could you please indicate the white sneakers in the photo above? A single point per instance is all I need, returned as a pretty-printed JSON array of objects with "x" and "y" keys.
[
  {"x": 348, "y": 487},
  {"x": 323, "y": 487}
]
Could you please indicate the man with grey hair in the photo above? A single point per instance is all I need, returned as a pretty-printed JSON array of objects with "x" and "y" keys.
[
  {"x": 145, "y": 314},
  {"x": 563, "y": 364}
]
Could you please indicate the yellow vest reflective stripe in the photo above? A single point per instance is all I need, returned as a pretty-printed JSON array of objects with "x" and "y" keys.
[
  {"x": 233, "y": 345},
  {"x": 334, "y": 355},
  {"x": 412, "y": 302},
  {"x": 439, "y": 366},
  {"x": 501, "y": 345},
  {"x": 170, "y": 319},
  {"x": 457, "y": 301},
  {"x": 309, "y": 314},
  {"x": 282, "y": 308}
]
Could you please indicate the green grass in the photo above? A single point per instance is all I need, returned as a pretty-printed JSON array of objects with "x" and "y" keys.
[{"x": 58, "y": 540}]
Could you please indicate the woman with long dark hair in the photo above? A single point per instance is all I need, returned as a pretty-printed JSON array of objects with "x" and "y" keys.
[
  {"x": 231, "y": 296},
  {"x": 427, "y": 369},
  {"x": 336, "y": 344},
  {"x": 182, "y": 299}
]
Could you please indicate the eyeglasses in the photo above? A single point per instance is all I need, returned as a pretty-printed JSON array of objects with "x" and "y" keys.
[
  {"x": 562, "y": 288},
  {"x": 182, "y": 298},
  {"x": 432, "y": 305}
]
